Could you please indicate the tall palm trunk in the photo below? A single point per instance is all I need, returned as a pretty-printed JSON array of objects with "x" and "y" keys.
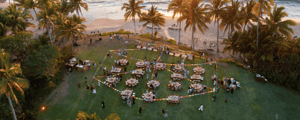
[
  {"x": 48, "y": 28},
  {"x": 192, "y": 39},
  {"x": 12, "y": 107},
  {"x": 257, "y": 30},
  {"x": 152, "y": 29},
  {"x": 179, "y": 35},
  {"x": 34, "y": 11},
  {"x": 134, "y": 26},
  {"x": 218, "y": 36}
]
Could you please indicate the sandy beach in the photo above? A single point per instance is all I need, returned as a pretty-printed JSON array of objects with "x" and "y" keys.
[{"x": 106, "y": 25}]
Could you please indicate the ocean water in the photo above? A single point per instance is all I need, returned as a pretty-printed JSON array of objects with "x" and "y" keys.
[{"x": 112, "y": 8}]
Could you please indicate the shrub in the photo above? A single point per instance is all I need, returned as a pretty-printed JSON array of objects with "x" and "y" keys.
[
  {"x": 173, "y": 42},
  {"x": 121, "y": 31}
]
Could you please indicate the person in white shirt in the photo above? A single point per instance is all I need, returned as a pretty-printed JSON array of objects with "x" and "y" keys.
[
  {"x": 201, "y": 108},
  {"x": 99, "y": 83},
  {"x": 114, "y": 35}
]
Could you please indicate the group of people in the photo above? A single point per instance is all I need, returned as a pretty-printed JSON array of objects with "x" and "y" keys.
[
  {"x": 93, "y": 88},
  {"x": 184, "y": 72},
  {"x": 119, "y": 37}
]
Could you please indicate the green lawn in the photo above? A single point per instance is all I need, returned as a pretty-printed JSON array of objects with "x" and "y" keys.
[{"x": 253, "y": 101}]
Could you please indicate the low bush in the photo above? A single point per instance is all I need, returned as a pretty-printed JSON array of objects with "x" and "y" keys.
[{"x": 121, "y": 31}]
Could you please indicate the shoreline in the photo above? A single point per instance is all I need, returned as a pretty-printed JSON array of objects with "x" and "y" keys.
[{"x": 107, "y": 25}]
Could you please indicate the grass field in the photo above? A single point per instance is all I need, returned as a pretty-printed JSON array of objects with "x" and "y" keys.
[{"x": 253, "y": 101}]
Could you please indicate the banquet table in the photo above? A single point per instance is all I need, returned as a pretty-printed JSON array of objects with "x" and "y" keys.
[
  {"x": 177, "y": 76},
  {"x": 159, "y": 66},
  {"x": 173, "y": 99},
  {"x": 82, "y": 68},
  {"x": 123, "y": 62},
  {"x": 178, "y": 68},
  {"x": 125, "y": 94},
  {"x": 138, "y": 73},
  {"x": 197, "y": 87},
  {"x": 199, "y": 70},
  {"x": 116, "y": 70},
  {"x": 148, "y": 96},
  {"x": 132, "y": 82},
  {"x": 196, "y": 78},
  {"x": 111, "y": 80},
  {"x": 154, "y": 83},
  {"x": 141, "y": 64},
  {"x": 175, "y": 86}
]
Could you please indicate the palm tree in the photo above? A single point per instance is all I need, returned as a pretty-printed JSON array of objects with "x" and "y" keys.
[
  {"x": 247, "y": 14},
  {"x": 216, "y": 8},
  {"x": 46, "y": 17},
  {"x": 17, "y": 18},
  {"x": 231, "y": 18},
  {"x": 64, "y": 7},
  {"x": 153, "y": 17},
  {"x": 21, "y": 2},
  {"x": 3, "y": 23},
  {"x": 132, "y": 9},
  {"x": 177, "y": 6},
  {"x": 76, "y": 6},
  {"x": 275, "y": 22},
  {"x": 31, "y": 4},
  {"x": 70, "y": 27},
  {"x": 260, "y": 8},
  {"x": 9, "y": 80},
  {"x": 195, "y": 15}
]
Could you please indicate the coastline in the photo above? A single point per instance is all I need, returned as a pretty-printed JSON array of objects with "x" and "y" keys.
[{"x": 106, "y": 25}]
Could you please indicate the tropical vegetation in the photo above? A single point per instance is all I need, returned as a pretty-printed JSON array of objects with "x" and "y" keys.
[
  {"x": 178, "y": 7},
  {"x": 153, "y": 17},
  {"x": 196, "y": 16},
  {"x": 132, "y": 9}
]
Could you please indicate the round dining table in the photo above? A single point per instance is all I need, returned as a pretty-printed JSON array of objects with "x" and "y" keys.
[
  {"x": 123, "y": 61},
  {"x": 153, "y": 83},
  {"x": 197, "y": 87},
  {"x": 140, "y": 64},
  {"x": 148, "y": 96},
  {"x": 159, "y": 66},
  {"x": 132, "y": 82},
  {"x": 173, "y": 99},
  {"x": 178, "y": 68},
  {"x": 198, "y": 70}
]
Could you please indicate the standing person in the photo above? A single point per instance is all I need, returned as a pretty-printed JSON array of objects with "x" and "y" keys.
[
  {"x": 133, "y": 100},
  {"x": 110, "y": 37},
  {"x": 121, "y": 37},
  {"x": 99, "y": 83},
  {"x": 201, "y": 108},
  {"x": 115, "y": 62},
  {"x": 163, "y": 112},
  {"x": 104, "y": 71},
  {"x": 114, "y": 36},
  {"x": 100, "y": 65},
  {"x": 128, "y": 36},
  {"x": 95, "y": 65},
  {"x": 125, "y": 69},
  {"x": 85, "y": 80},
  {"x": 187, "y": 72},
  {"x": 142, "y": 78},
  {"x": 231, "y": 91},
  {"x": 87, "y": 87},
  {"x": 103, "y": 105},
  {"x": 92, "y": 87},
  {"x": 140, "y": 111},
  {"x": 129, "y": 102}
]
